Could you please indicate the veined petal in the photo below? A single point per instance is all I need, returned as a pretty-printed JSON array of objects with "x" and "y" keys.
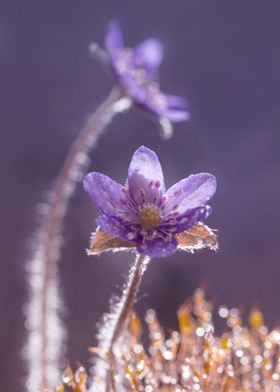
[
  {"x": 189, "y": 193},
  {"x": 145, "y": 177},
  {"x": 148, "y": 54},
  {"x": 113, "y": 226},
  {"x": 187, "y": 220},
  {"x": 113, "y": 38},
  {"x": 105, "y": 193},
  {"x": 157, "y": 247}
]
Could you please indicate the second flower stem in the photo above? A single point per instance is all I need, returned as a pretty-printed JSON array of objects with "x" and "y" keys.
[{"x": 45, "y": 329}]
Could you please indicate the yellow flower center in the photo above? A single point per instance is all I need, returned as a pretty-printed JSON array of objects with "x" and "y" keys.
[{"x": 150, "y": 217}]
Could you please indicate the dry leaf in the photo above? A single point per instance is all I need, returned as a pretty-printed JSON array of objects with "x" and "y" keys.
[
  {"x": 101, "y": 241},
  {"x": 198, "y": 237}
]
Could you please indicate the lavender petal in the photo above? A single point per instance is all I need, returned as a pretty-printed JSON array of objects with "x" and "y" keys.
[
  {"x": 175, "y": 102},
  {"x": 157, "y": 247},
  {"x": 113, "y": 38},
  {"x": 148, "y": 54},
  {"x": 132, "y": 88},
  {"x": 187, "y": 220},
  {"x": 145, "y": 177},
  {"x": 105, "y": 193},
  {"x": 113, "y": 226},
  {"x": 189, "y": 193},
  {"x": 177, "y": 115}
]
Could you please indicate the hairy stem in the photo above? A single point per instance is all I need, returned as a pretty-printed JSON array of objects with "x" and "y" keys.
[
  {"x": 128, "y": 297},
  {"x": 125, "y": 308},
  {"x": 114, "y": 324},
  {"x": 46, "y": 333}
]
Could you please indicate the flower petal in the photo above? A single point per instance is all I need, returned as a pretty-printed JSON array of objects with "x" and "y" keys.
[
  {"x": 132, "y": 88},
  {"x": 113, "y": 226},
  {"x": 105, "y": 193},
  {"x": 145, "y": 177},
  {"x": 187, "y": 220},
  {"x": 157, "y": 247},
  {"x": 154, "y": 100},
  {"x": 189, "y": 193},
  {"x": 175, "y": 102},
  {"x": 148, "y": 54},
  {"x": 177, "y": 115},
  {"x": 113, "y": 38}
]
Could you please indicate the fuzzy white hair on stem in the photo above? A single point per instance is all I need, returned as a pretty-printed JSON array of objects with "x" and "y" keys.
[
  {"x": 110, "y": 335},
  {"x": 46, "y": 333}
]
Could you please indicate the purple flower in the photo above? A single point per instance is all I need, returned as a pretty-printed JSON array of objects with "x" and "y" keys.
[
  {"x": 136, "y": 72},
  {"x": 143, "y": 211}
]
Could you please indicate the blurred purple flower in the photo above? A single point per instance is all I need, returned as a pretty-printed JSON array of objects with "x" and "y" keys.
[
  {"x": 143, "y": 211},
  {"x": 136, "y": 72}
]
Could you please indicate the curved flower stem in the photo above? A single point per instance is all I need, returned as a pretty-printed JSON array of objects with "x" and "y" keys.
[{"x": 45, "y": 330}]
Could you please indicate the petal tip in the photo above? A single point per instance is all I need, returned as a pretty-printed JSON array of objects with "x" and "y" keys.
[
  {"x": 209, "y": 183},
  {"x": 113, "y": 37},
  {"x": 149, "y": 54},
  {"x": 212, "y": 182},
  {"x": 177, "y": 115},
  {"x": 142, "y": 151},
  {"x": 89, "y": 179}
]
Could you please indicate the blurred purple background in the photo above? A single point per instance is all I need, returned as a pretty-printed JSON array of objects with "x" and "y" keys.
[{"x": 224, "y": 57}]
